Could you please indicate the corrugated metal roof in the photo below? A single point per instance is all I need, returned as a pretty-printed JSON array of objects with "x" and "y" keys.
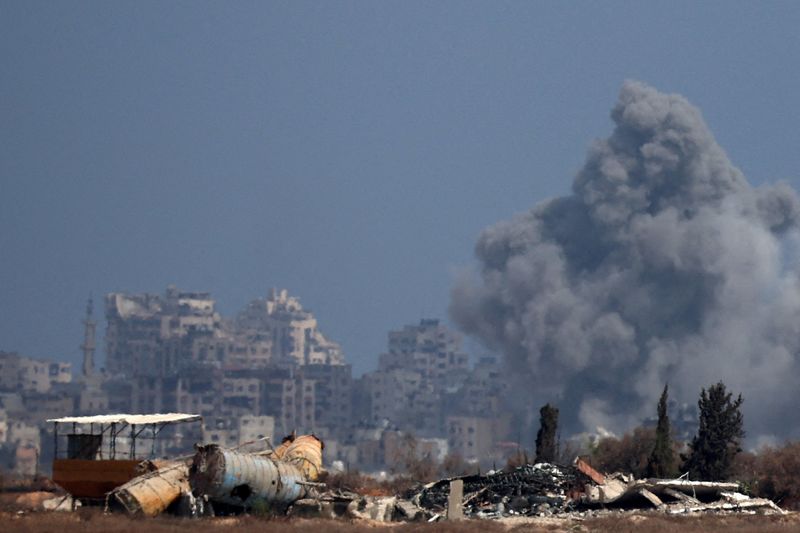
[{"x": 129, "y": 419}]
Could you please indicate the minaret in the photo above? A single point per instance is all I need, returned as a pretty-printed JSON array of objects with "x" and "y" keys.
[{"x": 88, "y": 340}]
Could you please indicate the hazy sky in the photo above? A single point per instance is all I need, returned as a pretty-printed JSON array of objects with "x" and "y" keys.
[{"x": 350, "y": 152}]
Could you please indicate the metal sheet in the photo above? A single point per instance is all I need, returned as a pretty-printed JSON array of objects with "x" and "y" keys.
[{"x": 128, "y": 418}]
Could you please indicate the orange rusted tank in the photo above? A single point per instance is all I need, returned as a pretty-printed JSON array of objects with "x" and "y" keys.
[
  {"x": 306, "y": 453},
  {"x": 151, "y": 493}
]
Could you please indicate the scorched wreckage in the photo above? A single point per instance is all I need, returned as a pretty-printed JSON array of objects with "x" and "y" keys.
[
  {"x": 94, "y": 467},
  {"x": 99, "y": 465}
]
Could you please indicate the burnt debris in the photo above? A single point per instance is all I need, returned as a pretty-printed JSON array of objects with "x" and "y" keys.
[
  {"x": 526, "y": 490},
  {"x": 546, "y": 489}
]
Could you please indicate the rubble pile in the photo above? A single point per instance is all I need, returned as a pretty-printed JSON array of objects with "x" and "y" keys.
[
  {"x": 577, "y": 490},
  {"x": 285, "y": 480},
  {"x": 673, "y": 496},
  {"x": 527, "y": 490}
]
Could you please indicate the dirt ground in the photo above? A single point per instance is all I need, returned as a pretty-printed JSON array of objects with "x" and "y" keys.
[{"x": 94, "y": 521}]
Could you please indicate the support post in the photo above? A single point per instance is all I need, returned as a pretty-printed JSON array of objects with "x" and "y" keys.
[
  {"x": 455, "y": 508},
  {"x": 133, "y": 441},
  {"x": 113, "y": 444}
]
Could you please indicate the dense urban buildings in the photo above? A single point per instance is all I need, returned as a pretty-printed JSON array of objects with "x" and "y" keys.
[{"x": 266, "y": 372}]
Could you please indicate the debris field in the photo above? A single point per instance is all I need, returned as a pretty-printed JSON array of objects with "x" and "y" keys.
[{"x": 285, "y": 481}]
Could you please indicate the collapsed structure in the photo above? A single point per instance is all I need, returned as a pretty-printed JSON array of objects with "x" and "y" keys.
[
  {"x": 546, "y": 489},
  {"x": 527, "y": 489},
  {"x": 232, "y": 480},
  {"x": 103, "y": 463}
]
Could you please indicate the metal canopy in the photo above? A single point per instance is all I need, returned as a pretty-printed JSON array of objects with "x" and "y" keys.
[{"x": 162, "y": 418}]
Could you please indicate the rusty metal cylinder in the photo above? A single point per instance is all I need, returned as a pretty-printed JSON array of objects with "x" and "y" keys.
[
  {"x": 243, "y": 479},
  {"x": 305, "y": 452},
  {"x": 152, "y": 492}
]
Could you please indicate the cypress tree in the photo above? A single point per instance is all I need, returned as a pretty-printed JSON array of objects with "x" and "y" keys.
[
  {"x": 661, "y": 463},
  {"x": 718, "y": 436},
  {"x": 546, "y": 451}
]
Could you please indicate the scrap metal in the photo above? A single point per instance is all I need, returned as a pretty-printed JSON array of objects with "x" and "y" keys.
[
  {"x": 549, "y": 489},
  {"x": 151, "y": 493},
  {"x": 304, "y": 451},
  {"x": 245, "y": 479},
  {"x": 159, "y": 418},
  {"x": 521, "y": 491}
]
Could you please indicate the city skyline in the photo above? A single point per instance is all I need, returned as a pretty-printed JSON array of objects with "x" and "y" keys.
[
  {"x": 268, "y": 371},
  {"x": 350, "y": 153}
]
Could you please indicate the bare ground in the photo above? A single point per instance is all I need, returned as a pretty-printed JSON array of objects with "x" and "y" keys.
[{"x": 94, "y": 521}]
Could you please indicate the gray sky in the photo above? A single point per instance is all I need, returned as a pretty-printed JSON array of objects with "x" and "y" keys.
[{"x": 350, "y": 152}]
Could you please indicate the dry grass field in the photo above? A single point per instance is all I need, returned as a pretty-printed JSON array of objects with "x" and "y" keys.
[
  {"x": 94, "y": 521},
  {"x": 17, "y": 515}
]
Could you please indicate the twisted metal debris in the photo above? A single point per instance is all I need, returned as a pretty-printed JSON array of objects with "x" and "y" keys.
[
  {"x": 526, "y": 490},
  {"x": 246, "y": 479}
]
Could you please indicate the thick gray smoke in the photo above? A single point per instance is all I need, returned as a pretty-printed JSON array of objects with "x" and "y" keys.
[{"x": 663, "y": 264}]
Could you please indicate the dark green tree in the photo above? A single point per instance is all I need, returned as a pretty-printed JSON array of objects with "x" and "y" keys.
[
  {"x": 546, "y": 448},
  {"x": 718, "y": 437},
  {"x": 661, "y": 463}
]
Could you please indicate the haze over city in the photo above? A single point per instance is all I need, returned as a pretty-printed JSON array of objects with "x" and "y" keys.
[
  {"x": 339, "y": 265},
  {"x": 349, "y": 152}
]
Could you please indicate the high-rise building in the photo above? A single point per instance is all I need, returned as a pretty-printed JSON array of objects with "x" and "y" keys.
[
  {"x": 294, "y": 332},
  {"x": 147, "y": 334},
  {"x": 429, "y": 348},
  {"x": 422, "y": 362}
]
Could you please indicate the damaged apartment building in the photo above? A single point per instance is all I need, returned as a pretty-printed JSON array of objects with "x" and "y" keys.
[
  {"x": 267, "y": 371},
  {"x": 29, "y": 389},
  {"x": 425, "y": 386}
]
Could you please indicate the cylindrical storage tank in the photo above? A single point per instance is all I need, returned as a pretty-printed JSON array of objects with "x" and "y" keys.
[
  {"x": 306, "y": 452},
  {"x": 153, "y": 492},
  {"x": 243, "y": 479}
]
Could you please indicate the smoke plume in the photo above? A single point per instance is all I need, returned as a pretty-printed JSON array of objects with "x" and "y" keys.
[{"x": 663, "y": 265}]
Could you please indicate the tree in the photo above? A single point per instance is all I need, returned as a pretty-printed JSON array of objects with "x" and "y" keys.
[
  {"x": 518, "y": 458},
  {"x": 718, "y": 437},
  {"x": 546, "y": 451},
  {"x": 454, "y": 464},
  {"x": 628, "y": 454},
  {"x": 408, "y": 459},
  {"x": 774, "y": 473},
  {"x": 661, "y": 463}
]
